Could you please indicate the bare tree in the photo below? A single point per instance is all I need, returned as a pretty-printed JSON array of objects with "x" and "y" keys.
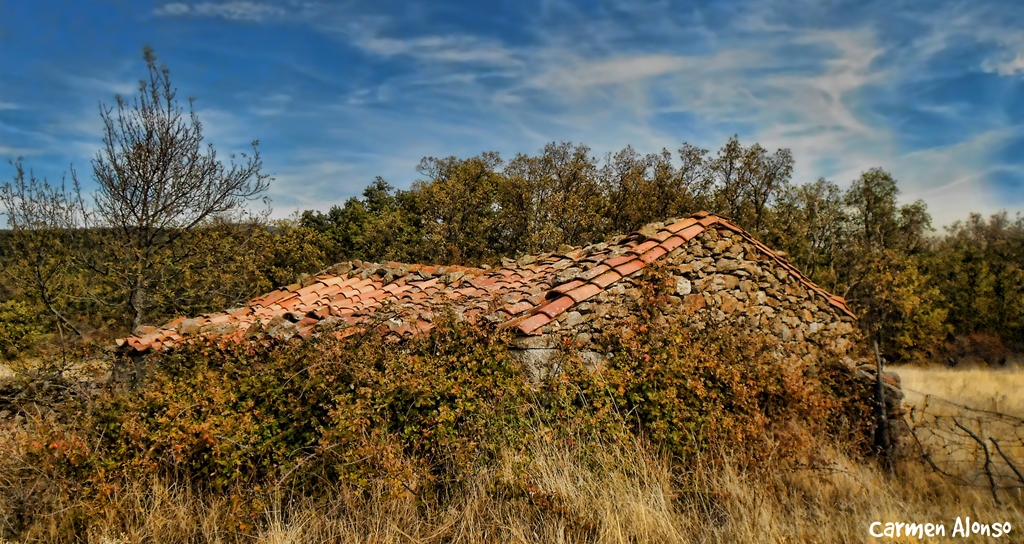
[
  {"x": 40, "y": 217},
  {"x": 156, "y": 183}
]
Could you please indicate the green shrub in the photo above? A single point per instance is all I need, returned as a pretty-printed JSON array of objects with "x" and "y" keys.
[
  {"x": 716, "y": 390},
  {"x": 19, "y": 328}
]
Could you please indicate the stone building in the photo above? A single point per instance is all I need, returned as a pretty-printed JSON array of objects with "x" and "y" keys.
[{"x": 716, "y": 272}]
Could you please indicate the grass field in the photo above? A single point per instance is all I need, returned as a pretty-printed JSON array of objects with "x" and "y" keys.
[{"x": 997, "y": 389}]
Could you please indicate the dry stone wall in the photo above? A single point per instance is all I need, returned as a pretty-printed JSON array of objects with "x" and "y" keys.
[
  {"x": 715, "y": 278},
  {"x": 721, "y": 278}
]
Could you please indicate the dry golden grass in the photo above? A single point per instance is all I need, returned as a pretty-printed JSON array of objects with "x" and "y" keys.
[
  {"x": 618, "y": 494},
  {"x": 984, "y": 388}
]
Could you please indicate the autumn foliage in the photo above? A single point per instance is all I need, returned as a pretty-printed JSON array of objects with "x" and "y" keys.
[{"x": 422, "y": 416}]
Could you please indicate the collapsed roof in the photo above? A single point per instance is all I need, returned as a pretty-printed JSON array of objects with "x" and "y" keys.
[{"x": 404, "y": 299}]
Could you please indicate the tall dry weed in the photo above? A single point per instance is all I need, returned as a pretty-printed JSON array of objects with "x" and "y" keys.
[{"x": 561, "y": 492}]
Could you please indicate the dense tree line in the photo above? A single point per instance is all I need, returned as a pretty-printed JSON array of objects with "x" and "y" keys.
[
  {"x": 169, "y": 230},
  {"x": 912, "y": 287},
  {"x": 861, "y": 243}
]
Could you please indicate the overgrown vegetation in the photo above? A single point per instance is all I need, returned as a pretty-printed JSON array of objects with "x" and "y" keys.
[
  {"x": 566, "y": 491},
  {"x": 422, "y": 418}
]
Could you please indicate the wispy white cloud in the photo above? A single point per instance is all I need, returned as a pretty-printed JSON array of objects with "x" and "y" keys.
[
  {"x": 10, "y": 152},
  {"x": 816, "y": 114},
  {"x": 811, "y": 101},
  {"x": 1008, "y": 67},
  {"x": 443, "y": 48},
  {"x": 104, "y": 87},
  {"x": 273, "y": 105},
  {"x": 230, "y": 132},
  {"x": 238, "y": 10},
  {"x": 952, "y": 180},
  {"x": 956, "y": 25},
  {"x": 758, "y": 87},
  {"x": 619, "y": 70},
  {"x": 173, "y": 9}
]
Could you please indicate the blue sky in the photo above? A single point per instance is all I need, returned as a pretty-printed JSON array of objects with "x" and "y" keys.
[{"x": 340, "y": 92}]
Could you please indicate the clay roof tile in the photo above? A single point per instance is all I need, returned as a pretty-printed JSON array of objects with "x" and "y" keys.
[
  {"x": 519, "y": 307},
  {"x": 644, "y": 247},
  {"x": 557, "y": 306},
  {"x": 584, "y": 292},
  {"x": 606, "y": 279},
  {"x": 672, "y": 243},
  {"x": 593, "y": 272},
  {"x": 630, "y": 267},
  {"x": 534, "y": 322},
  {"x": 691, "y": 232},
  {"x": 680, "y": 225},
  {"x": 621, "y": 259},
  {"x": 661, "y": 235},
  {"x": 566, "y": 287},
  {"x": 654, "y": 254}
]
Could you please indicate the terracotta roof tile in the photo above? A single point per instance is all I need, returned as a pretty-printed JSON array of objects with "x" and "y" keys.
[
  {"x": 594, "y": 272},
  {"x": 557, "y": 306},
  {"x": 654, "y": 254},
  {"x": 691, "y": 232},
  {"x": 645, "y": 247},
  {"x": 566, "y": 287},
  {"x": 680, "y": 225},
  {"x": 484, "y": 282},
  {"x": 661, "y": 235},
  {"x": 606, "y": 279},
  {"x": 621, "y": 259},
  {"x": 534, "y": 322},
  {"x": 272, "y": 297},
  {"x": 320, "y": 312},
  {"x": 584, "y": 292},
  {"x": 630, "y": 267},
  {"x": 672, "y": 243},
  {"x": 519, "y": 307},
  {"x": 308, "y": 298}
]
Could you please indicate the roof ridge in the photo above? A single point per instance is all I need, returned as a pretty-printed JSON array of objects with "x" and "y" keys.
[{"x": 671, "y": 235}]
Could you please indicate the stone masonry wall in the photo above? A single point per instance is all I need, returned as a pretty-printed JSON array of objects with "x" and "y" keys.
[{"x": 716, "y": 278}]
